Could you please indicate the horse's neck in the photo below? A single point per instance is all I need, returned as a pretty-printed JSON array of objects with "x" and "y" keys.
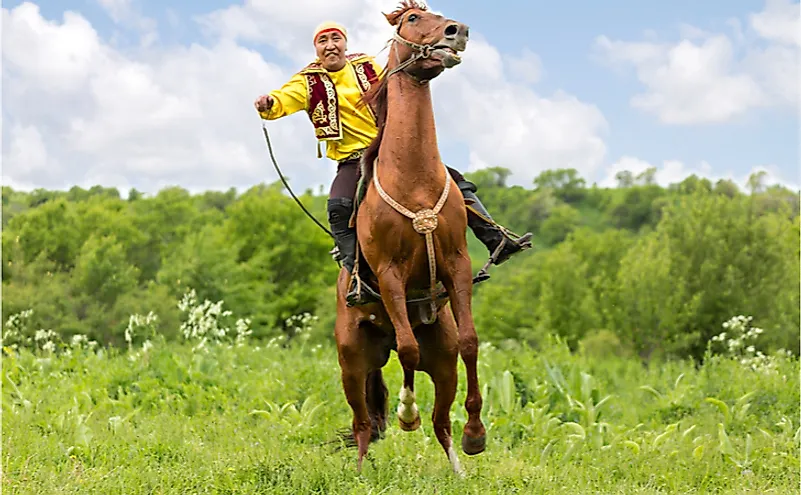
[{"x": 409, "y": 146}]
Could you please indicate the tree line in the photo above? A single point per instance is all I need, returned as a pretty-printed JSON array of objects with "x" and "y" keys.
[{"x": 638, "y": 268}]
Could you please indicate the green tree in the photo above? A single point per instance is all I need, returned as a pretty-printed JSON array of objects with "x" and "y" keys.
[
  {"x": 490, "y": 177},
  {"x": 565, "y": 183},
  {"x": 284, "y": 255},
  {"x": 561, "y": 222}
]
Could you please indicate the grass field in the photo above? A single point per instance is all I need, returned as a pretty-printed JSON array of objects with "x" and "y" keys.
[{"x": 259, "y": 419}]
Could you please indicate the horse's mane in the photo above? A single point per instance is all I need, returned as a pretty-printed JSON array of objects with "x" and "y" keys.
[{"x": 376, "y": 96}]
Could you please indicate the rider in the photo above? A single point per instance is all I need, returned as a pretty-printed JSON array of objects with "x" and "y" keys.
[{"x": 329, "y": 90}]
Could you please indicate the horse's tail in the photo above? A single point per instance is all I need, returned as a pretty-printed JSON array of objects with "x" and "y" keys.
[
  {"x": 377, "y": 408},
  {"x": 377, "y": 399}
]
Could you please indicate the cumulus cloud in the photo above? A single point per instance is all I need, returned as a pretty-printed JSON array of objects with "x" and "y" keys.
[
  {"x": 527, "y": 66},
  {"x": 505, "y": 123},
  {"x": 175, "y": 116},
  {"x": 80, "y": 111},
  {"x": 125, "y": 13},
  {"x": 716, "y": 77},
  {"x": 279, "y": 25}
]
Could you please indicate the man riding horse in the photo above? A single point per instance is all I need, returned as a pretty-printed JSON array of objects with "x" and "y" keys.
[{"x": 330, "y": 91}]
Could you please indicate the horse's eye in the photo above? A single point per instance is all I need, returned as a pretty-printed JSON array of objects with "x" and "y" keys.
[{"x": 412, "y": 17}]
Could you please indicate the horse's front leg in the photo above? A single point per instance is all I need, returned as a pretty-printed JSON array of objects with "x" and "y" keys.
[
  {"x": 393, "y": 295},
  {"x": 460, "y": 289},
  {"x": 408, "y": 413}
]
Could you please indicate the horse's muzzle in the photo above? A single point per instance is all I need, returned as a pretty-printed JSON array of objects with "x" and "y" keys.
[
  {"x": 457, "y": 34},
  {"x": 454, "y": 41}
]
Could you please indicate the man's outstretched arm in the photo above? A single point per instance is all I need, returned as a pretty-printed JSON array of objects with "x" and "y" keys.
[{"x": 279, "y": 103}]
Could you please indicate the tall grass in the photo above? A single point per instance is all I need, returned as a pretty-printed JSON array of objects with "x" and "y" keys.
[{"x": 237, "y": 416}]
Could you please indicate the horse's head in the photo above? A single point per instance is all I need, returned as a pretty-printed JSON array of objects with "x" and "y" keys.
[{"x": 425, "y": 43}]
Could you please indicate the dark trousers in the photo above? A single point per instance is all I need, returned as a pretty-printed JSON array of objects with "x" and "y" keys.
[{"x": 348, "y": 173}]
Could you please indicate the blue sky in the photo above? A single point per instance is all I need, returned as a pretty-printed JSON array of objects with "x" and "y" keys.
[
  {"x": 564, "y": 37},
  {"x": 563, "y": 33}
]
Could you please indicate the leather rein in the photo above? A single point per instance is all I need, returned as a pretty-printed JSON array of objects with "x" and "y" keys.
[{"x": 420, "y": 52}]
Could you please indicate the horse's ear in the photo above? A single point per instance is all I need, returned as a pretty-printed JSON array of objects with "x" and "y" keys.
[{"x": 392, "y": 18}]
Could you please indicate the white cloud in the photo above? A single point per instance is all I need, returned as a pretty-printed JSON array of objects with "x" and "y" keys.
[
  {"x": 279, "y": 25},
  {"x": 703, "y": 78},
  {"x": 778, "y": 22},
  {"x": 178, "y": 116},
  {"x": 126, "y": 14},
  {"x": 117, "y": 9},
  {"x": 148, "y": 118},
  {"x": 675, "y": 171},
  {"x": 27, "y": 146},
  {"x": 70, "y": 49},
  {"x": 527, "y": 67},
  {"x": 507, "y": 124}
]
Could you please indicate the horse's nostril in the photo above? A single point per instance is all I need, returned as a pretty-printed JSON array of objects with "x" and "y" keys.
[{"x": 451, "y": 30}]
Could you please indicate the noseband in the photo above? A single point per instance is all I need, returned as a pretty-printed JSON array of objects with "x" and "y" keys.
[{"x": 419, "y": 52}]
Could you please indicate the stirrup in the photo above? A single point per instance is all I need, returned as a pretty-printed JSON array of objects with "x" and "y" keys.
[
  {"x": 367, "y": 295},
  {"x": 520, "y": 244}
]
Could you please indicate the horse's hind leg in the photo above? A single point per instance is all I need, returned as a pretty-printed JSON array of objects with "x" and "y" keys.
[
  {"x": 460, "y": 290},
  {"x": 439, "y": 352},
  {"x": 353, "y": 363},
  {"x": 408, "y": 413}
]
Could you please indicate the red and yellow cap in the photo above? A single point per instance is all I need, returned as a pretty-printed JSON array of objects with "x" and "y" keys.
[{"x": 330, "y": 26}]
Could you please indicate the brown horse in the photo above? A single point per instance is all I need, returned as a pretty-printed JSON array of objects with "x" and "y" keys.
[{"x": 404, "y": 175}]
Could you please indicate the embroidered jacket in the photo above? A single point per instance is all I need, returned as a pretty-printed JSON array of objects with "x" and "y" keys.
[{"x": 332, "y": 103}]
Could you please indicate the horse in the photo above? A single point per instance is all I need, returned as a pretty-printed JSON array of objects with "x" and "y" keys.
[{"x": 408, "y": 252}]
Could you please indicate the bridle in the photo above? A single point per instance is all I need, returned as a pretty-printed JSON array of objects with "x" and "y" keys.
[{"x": 419, "y": 52}]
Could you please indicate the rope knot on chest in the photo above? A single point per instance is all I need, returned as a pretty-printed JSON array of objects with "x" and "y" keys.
[{"x": 425, "y": 221}]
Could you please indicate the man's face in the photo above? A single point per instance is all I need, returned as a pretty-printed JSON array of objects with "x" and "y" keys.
[{"x": 330, "y": 47}]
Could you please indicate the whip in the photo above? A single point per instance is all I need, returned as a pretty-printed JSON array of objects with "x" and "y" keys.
[{"x": 277, "y": 169}]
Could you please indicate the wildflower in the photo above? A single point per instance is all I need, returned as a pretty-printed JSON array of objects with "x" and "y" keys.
[{"x": 748, "y": 356}]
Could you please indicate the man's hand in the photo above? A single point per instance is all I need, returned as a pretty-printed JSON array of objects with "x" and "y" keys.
[{"x": 263, "y": 103}]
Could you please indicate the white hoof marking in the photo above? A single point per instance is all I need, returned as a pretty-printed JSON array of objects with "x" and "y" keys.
[
  {"x": 407, "y": 409},
  {"x": 457, "y": 467}
]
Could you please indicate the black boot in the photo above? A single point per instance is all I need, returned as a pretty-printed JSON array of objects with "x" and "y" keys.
[
  {"x": 487, "y": 231},
  {"x": 339, "y": 213}
]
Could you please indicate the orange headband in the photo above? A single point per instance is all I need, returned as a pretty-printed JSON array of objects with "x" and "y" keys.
[{"x": 330, "y": 26}]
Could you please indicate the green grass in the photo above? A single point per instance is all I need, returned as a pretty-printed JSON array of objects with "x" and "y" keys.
[{"x": 258, "y": 419}]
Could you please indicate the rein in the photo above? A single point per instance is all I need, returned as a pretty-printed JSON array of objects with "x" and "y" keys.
[{"x": 420, "y": 52}]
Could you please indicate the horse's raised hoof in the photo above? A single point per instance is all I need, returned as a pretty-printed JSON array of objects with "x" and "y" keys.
[
  {"x": 409, "y": 426},
  {"x": 473, "y": 446}
]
